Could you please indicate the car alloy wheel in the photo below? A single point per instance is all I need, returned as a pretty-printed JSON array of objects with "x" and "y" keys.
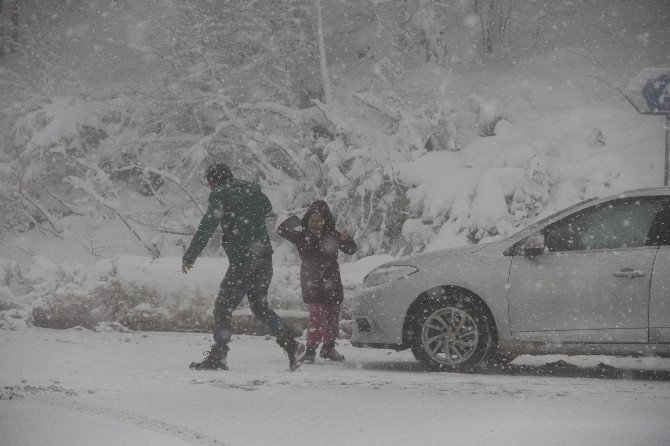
[
  {"x": 450, "y": 336},
  {"x": 454, "y": 334}
]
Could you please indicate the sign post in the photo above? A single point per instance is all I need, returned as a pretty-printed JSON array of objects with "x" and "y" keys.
[
  {"x": 649, "y": 93},
  {"x": 667, "y": 149}
]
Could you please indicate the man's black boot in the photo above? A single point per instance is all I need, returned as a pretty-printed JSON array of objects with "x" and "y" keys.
[
  {"x": 310, "y": 355},
  {"x": 293, "y": 349},
  {"x": 215, "y": 359}
]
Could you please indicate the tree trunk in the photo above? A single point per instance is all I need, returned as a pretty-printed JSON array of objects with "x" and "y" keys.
[
  {"x": 14, "y": 17},
  {"x": 484, "y": 9},
  {"x": 327, "y": 94},
  {"x": 2, "y": 46}
]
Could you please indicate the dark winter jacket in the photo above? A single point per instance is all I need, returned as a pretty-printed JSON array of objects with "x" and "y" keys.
[
  {"x": 240, "y": 207},
  {"x": 319, "y": 272}
]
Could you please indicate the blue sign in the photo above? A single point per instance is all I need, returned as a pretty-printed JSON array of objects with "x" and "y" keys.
[{"x": 656, "y": 93}]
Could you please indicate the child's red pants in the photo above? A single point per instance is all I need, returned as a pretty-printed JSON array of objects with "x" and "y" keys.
[{"x": 324, "y": 320}]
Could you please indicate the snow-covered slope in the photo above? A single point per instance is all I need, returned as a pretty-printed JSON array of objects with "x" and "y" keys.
[{"x": 532, "y": 128}]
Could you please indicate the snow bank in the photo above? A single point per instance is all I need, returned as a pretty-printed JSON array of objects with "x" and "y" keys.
[
  {"x": 139, "y": 293},
  {"x": 529, "y": 168}
]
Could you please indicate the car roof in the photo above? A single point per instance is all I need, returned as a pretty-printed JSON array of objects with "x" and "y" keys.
[
  {"x": 660, "y": 190},
  {"x": 643, "y": 192}
]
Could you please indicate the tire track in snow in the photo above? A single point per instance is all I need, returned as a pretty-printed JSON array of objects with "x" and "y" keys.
[{"x": 60, "y": 397}]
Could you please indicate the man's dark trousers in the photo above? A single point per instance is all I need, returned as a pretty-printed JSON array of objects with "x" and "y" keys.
[{"x": 252, "y": 279}]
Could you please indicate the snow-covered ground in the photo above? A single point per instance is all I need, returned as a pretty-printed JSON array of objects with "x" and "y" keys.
[
  {"x": 523, "y": 134},
  {"x": 67, "y": 387}
]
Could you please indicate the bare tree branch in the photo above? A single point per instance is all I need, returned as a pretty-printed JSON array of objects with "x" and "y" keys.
[
  {"x": 373, "y": 101},
  {"x": 168, "y": 176},
  {"x": 61, "y": 201},
  {"x": 37, "y": 205}
]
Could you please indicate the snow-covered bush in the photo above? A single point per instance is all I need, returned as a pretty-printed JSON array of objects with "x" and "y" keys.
[
  {"x": 54, "y": 140},
  {"x": 361, "y": 193},
  {"x": 141, "y": 293},
  {"x": 71, "y": 295},
  {"x": 137, "y": 307}
]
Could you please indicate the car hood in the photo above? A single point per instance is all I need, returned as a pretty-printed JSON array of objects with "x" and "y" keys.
[{"x": 428, "y": 257}]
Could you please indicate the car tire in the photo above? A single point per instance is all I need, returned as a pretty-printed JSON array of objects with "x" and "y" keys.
[{"x": 452, "y": 335}]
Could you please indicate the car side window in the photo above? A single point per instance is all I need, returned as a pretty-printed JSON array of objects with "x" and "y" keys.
[
  {"x": 660, "y": 232},
  {"x": 616, "y": 224}
]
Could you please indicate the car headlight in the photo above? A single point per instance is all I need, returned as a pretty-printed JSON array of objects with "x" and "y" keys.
[{"x": 386, "y": 274}]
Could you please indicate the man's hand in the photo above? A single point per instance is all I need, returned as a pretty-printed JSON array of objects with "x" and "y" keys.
[
  {"x": 344, "y": 234},
  {"x": 185, "y": 266}
]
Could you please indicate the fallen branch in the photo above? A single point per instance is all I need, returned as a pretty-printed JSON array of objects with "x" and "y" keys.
[
  {"x": 378, "y": 104},
  {"x": 154, "y": 194},
  {"x": 43, "y": 229},
  {"x": 55, "y": 224},
  {"x": 86, "y": 187},
  {"x": 305, "y": 117},
  {"x": 164, "y": 230},
  {"x": 341, "y": 125},
  {"x": 61, "y": 201},
  {"x": 101, "y": 175},
  {"x": 168, "y": 176}
]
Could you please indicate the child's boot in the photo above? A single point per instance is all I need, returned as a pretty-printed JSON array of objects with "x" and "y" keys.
[{"x": 328, "y": 352}]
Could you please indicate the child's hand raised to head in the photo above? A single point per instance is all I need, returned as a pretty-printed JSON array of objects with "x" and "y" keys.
[{"x": 344, "y": 234}]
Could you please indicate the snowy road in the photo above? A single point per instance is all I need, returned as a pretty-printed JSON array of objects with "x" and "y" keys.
[{"x": 81, "y": 387}]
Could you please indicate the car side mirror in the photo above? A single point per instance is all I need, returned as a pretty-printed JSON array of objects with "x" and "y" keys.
[{"x": 533, "y": 245}]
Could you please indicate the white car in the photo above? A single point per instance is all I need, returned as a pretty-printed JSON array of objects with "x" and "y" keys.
[{"x": 591, "y": 279}]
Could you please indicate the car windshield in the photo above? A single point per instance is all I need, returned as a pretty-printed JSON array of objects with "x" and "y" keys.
[{"x": 540, "y": 223}]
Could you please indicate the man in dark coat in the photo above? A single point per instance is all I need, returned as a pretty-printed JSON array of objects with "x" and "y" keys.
[
  {"x": 240, "y": 208},
  {"x": 318, "y": 243}
]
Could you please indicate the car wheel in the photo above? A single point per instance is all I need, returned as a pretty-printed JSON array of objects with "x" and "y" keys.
[{"x": 453, "y": 336}]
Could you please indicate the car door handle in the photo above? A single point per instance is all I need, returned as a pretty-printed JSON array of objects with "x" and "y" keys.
[{"x": 629, "y": 273}]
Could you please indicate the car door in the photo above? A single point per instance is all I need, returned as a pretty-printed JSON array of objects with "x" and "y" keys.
[
  {"x": 659, "y": 299},
  {"x": 592, "y": 282}
]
